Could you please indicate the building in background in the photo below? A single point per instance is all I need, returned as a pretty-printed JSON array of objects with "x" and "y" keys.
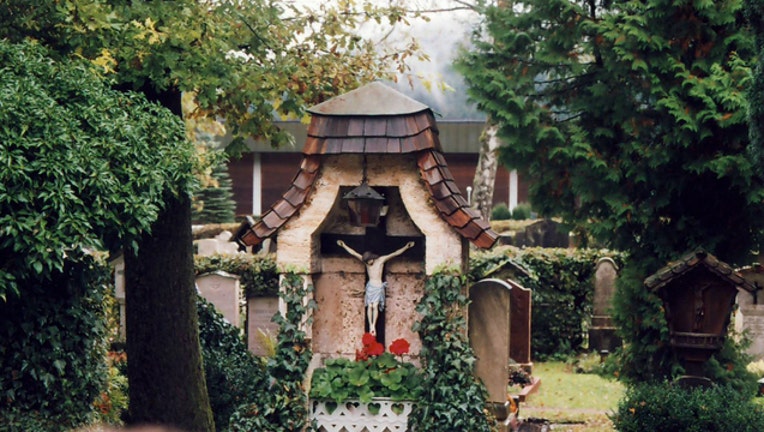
[{"x": 262, "y": 175}]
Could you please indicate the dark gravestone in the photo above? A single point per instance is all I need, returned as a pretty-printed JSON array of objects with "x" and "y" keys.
[
  {"x": 544, "y": 233},
  {"x": 520, "y": 325}
]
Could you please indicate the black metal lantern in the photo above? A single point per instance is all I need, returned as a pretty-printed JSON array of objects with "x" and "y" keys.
[{"x": 365, "y": 205}]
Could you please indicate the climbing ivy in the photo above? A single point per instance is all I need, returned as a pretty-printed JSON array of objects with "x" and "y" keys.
[
  {"x": 282, "y": 405},
  {"x": 452, "y": 398}
]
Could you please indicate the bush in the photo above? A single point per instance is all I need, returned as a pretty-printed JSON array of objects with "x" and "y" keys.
[
  {"x": 667, "y": 407},
  {"x": 53, "y": 343},
  {"x": 234, "y": 375},
  {"x": 521, "y": 212},
  {"x": 500, "y": 212}
]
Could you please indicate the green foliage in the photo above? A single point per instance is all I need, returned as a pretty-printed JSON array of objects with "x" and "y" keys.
[
  {"x": 631, "y": 119},
  {"x": 379, "y": 376},
  {"x": 214, "y": 203},
  {"x": 234, "y": 375},
  {"x": 667, "y": 407},
  {"x": 258, "y": 274},
  {"x": 452, "y": 398},
  {"x": 755, "y": 13},
  {"x": 282, "y": 402},
  {"x": 83, "y": 167},
  {"x": 304, "y": 54},
  {"x": 521, "y": 211},
  {"x": 500, "y": 212},
  {"x": 53, "y": 343},
  {"x": 563, "y": 289}
]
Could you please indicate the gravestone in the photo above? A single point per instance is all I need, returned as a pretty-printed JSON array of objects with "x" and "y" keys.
[
  {"x": 224, "y": 292},
  {"x": 220, "y": 244},
  {"x": 544, "y": 233},
  {"x": 260, "y": 311},
  {"x": 520, "y": 325},
  {"x": 749, "y": 316},
  {"x": 489, "y": 335},
  {"x": 602, "y": 335}
]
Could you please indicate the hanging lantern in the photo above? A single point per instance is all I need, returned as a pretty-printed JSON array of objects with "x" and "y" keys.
[{"x": 365, "y": 205}]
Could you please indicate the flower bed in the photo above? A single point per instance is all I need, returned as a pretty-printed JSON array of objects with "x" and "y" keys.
[{"x": 371, "y": 393}]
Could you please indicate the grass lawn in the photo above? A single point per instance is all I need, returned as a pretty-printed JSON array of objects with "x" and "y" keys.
[{"x": 571, "y": 401}]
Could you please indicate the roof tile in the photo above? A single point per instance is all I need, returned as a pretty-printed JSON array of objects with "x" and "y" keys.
[
  {"x": 375, "y": 127},
  {"x": 393, "y": 145}
]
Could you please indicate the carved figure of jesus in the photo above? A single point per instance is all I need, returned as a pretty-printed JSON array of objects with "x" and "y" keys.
[{"x": 374, "y": 298}]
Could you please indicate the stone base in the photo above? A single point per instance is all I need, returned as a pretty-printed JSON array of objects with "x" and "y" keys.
[{"x": 603, "y": 339}]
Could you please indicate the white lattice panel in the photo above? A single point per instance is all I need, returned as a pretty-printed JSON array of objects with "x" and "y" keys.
[{"x": 354, "y": 416}]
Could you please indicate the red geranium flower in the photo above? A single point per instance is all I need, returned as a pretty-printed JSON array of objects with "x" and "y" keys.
[
  {"x": 399, "y": 347},
  {"x": 368, "y": 339},
  {"x": 375, "y": 349}
]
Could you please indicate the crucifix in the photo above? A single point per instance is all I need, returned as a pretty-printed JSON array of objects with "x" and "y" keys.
[{"x": 374, "y": 297}]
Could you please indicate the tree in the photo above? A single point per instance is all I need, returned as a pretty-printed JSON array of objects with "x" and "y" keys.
[
  {"x": 85, "y": 168},
  {"x": 214, "y": 202},
  {"x": 755, "y": 14},
  {"x": 629, "y": 117},
  {"x": 243, "y": 61}
]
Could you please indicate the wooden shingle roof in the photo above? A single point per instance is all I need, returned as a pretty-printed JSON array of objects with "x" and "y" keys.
[
  {"x": 698, "y": 258},
  {"x": 386, "y": 122}
]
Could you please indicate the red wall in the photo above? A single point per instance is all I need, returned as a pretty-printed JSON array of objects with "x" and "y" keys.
[{"x": 279, "y": 169}]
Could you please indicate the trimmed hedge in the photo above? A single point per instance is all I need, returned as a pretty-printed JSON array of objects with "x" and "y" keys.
[
  {"x": 258, "y": 274},
  {"x": 667, "y": 407},
  {"x": 563, "y": 289}
]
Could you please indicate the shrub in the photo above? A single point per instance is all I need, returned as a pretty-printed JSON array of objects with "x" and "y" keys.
[
  {"x": 667, "y": 407},
  {"x": 500, "y": 212},
  {"x": 234, "y": 375},
  {"x": 53, "y": 343},
  {"x": 521, "y": 212}
]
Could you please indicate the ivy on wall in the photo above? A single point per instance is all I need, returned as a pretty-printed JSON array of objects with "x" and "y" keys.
[
  {"x": 282, "y": 405},
  {"x": 452, "y": 398}
]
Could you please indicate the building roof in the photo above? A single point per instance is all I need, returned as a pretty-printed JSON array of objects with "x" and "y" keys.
[
  {"x": 382, "y": 130},
  {"x": 373, "y": 99},
  {"x": 698, "y": 258}
]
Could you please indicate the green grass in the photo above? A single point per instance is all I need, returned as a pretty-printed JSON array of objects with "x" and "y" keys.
[{"x": 581, "y": 402}]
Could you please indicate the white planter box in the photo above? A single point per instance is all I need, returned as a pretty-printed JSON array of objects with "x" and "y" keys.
[{"x": 354, "y": 416}]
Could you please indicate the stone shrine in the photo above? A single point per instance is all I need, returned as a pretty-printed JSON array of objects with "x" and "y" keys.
[{"x": 380, "y": 138}]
